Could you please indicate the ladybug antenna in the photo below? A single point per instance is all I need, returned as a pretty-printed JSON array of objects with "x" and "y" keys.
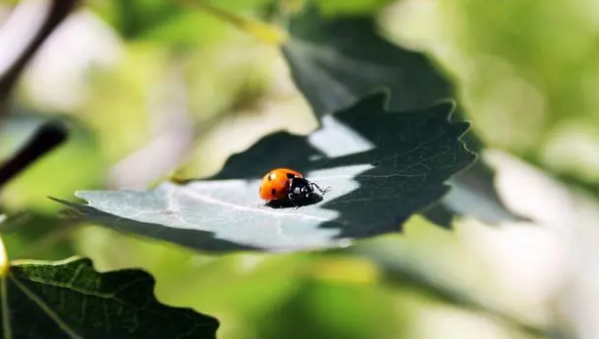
[{"x": 320, "y": 189}]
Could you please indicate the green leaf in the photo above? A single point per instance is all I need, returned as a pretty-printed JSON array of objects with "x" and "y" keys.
[
  {"x": 71, "y": 300},
  {"x": 336, "y": 61},
  {"x": 382, "y": 168}
]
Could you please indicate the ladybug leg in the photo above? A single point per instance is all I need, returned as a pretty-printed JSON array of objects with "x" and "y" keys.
[{"x": 293, "y": 200}]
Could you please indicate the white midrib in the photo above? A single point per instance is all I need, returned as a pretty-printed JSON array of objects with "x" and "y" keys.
[{"x": 214, "y": 201}]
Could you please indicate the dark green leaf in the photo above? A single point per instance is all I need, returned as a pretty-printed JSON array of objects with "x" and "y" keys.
[
  {"x": 72, "y": 300},
  {"x": 335, "y": 62},
  {"x": 373, "y": 188}
]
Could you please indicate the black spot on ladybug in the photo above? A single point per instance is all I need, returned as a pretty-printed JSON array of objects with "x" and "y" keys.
[
  {"x": 270, "y": 176},
  {"x": 290, "y": 175},
  {"x": 273, "y": 191}
]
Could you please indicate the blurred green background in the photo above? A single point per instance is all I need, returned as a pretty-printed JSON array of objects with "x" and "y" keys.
[{"x": 153, "y": 81}]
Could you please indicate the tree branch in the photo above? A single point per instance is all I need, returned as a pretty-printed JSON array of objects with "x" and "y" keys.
[
  {"x": 46, "y": 138},
  {"x": 12, "y": 35}
]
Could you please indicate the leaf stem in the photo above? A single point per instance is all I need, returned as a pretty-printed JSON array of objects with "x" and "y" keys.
[
  {"x": 6, "y": 327},
  {"x": 267, "y": 33},
  {"x": 4, "y": 269},
  {"x": 46, "y": 138}
]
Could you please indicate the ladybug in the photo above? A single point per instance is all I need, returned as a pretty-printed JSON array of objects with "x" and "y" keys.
[{"x": 282, "y": 186}]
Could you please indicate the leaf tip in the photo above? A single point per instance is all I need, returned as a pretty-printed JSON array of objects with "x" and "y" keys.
[
  {"x": 73, "y": 210},
  {"x": 58, "y": 200}
]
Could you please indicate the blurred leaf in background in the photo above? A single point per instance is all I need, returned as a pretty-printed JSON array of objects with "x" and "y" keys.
[
  {"x": 334, "y": 310},
  {"x": 335, "y": 62},
  {"x": 526, "y": 71}
]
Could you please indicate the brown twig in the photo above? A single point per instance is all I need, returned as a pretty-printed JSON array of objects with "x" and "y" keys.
[{"x": 46, "y": 138}]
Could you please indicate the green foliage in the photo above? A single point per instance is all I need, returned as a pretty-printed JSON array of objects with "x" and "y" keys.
[
  {"x": 171, "y": 22},
  {"x": 71, "y": 300},
  {"x": 349, "y": 106}
]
